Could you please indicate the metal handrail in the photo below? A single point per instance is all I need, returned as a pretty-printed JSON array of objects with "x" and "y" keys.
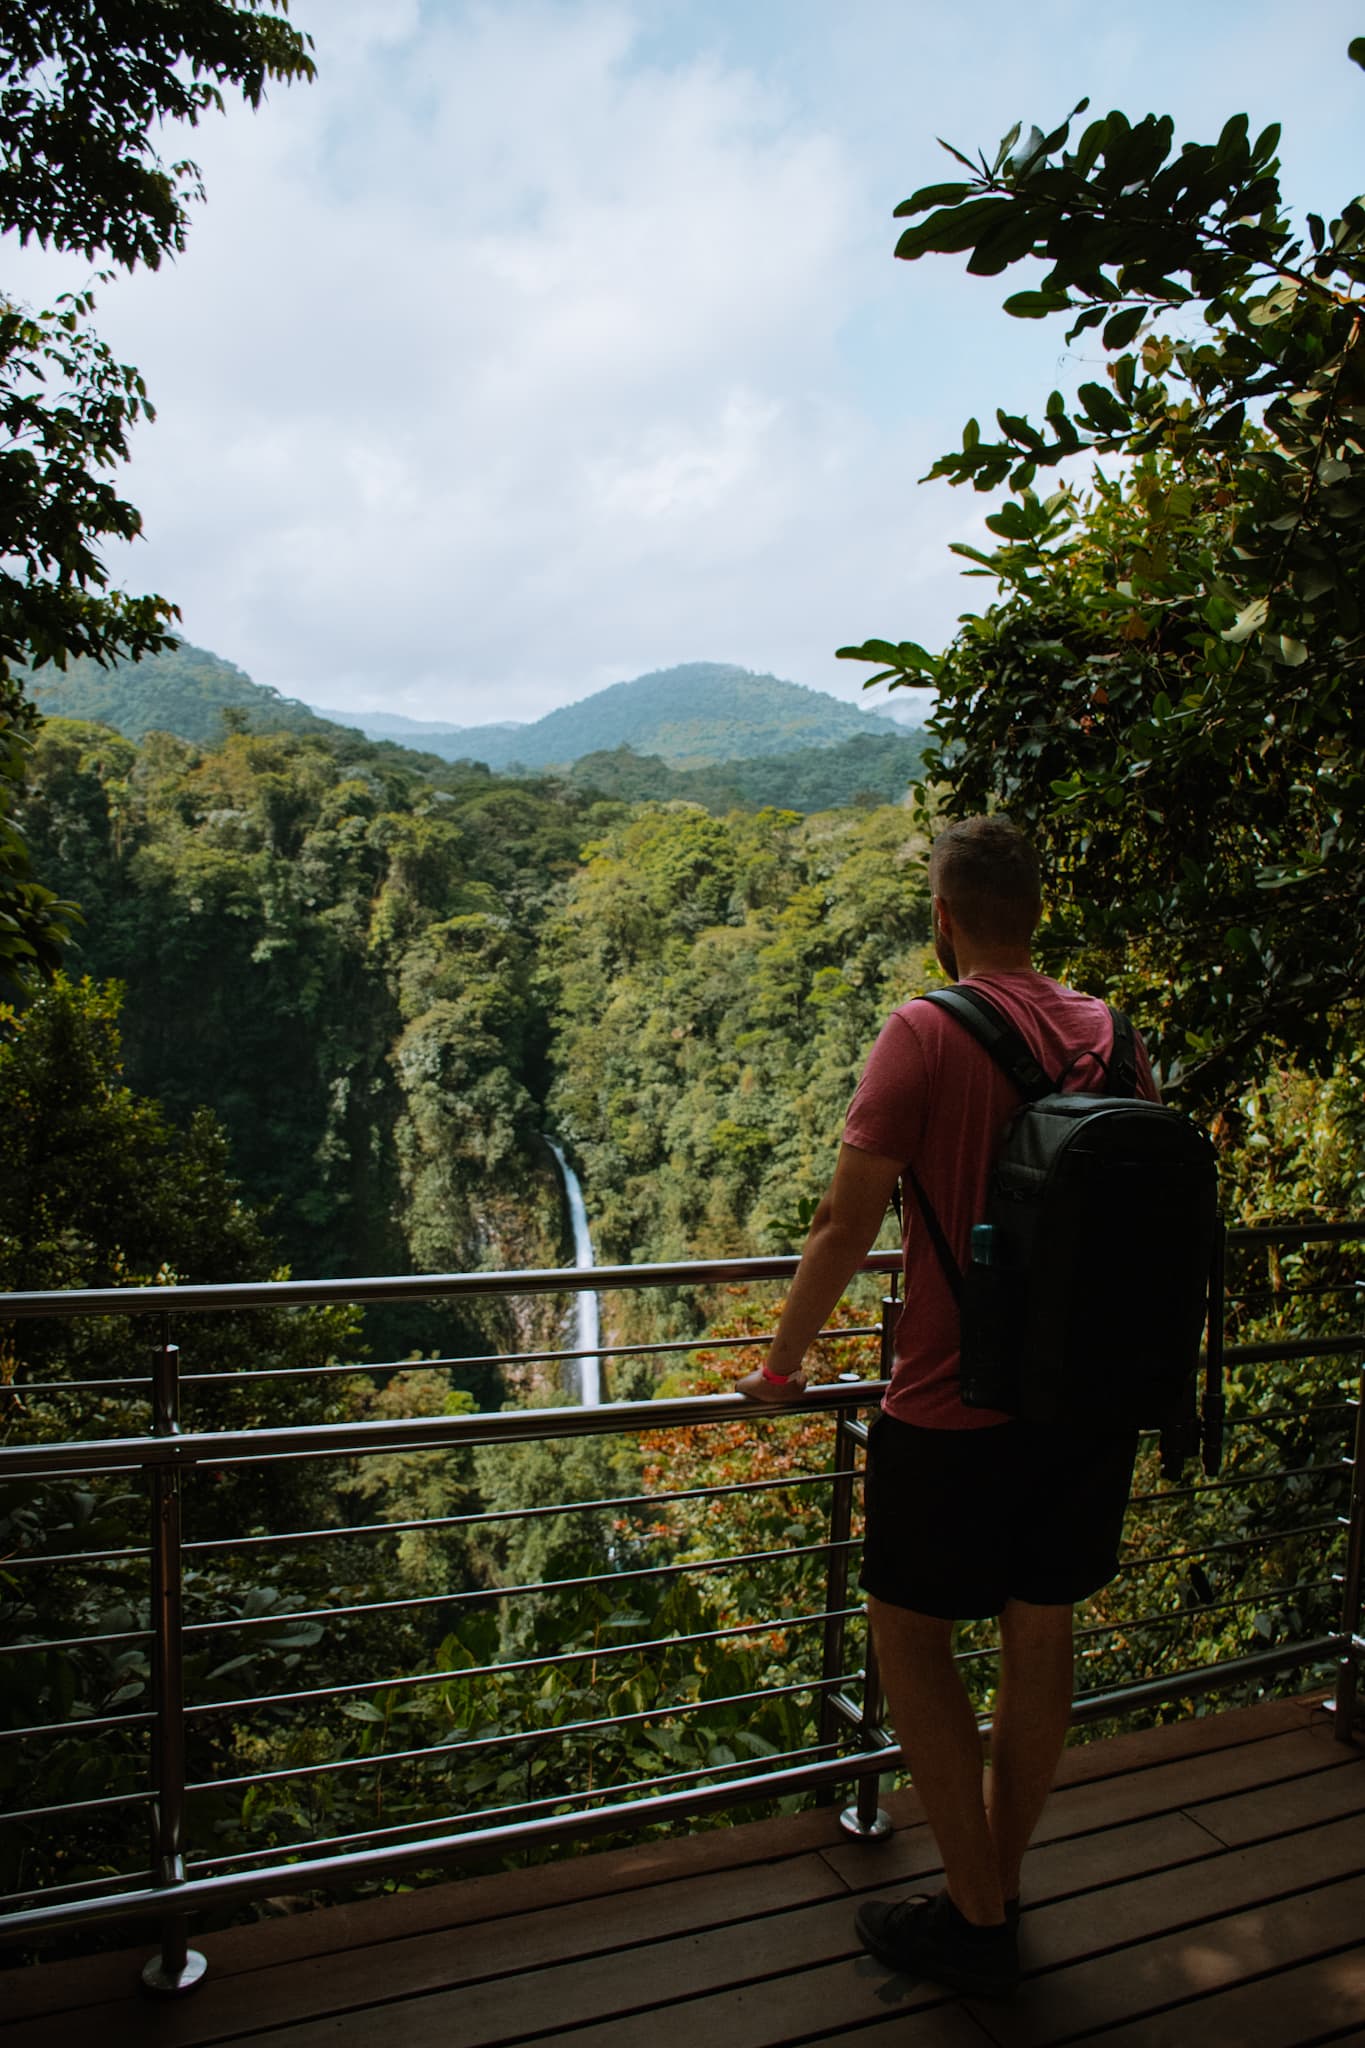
[
  {"x": 168, "y": 1454},
  {"x": 235, "y": 1294},
  {"x": 409, "y": 1432}
]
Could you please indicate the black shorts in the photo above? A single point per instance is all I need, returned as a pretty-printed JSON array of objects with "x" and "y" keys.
[{"x": 960, "y": 1521}]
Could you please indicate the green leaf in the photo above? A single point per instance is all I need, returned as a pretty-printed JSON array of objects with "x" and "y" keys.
[
  {"x": 301, "y": 1636},
  {"x": 957, "y": 155},
  {"x": 931, "y": 195},
  {"x": 1019, "y": 430},
  {"x": 1120, "y": 330},
  {"x": 1004, "y": 243},
  {"x": 952, "y": 228},
  {"x": 1233, "y": 139},
  {"x": 1104, "y": 409},
  {"x": 904, "y": 658},
  {"x": 1029, "y": 150},
  {"x": 1007, "y": 143},
  {"x": 1091, "y": 317},
  {"x": 911, "y": 655},
  {"x": 1036, "y": 305},
  {"x": 1355, "y": 50},
  {"x": 1089, "y": 147},
  {"x": 1267, "y": 142}
]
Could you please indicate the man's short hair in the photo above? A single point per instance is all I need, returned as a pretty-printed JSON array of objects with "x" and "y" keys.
[{"x": 986, "y": 871}]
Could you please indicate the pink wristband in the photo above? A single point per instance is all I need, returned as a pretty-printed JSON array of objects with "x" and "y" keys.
[{"x": 776, "y": 1379}]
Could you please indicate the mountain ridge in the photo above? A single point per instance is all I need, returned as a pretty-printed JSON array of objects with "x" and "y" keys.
[{"x": 692, "y": 715}]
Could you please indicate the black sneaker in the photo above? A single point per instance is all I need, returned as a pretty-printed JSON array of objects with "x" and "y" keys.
[{"x": 928, "y": 1937}]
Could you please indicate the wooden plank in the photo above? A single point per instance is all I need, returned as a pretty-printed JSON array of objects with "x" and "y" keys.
[
  {"x": 46, "y": 1988},
  {"x": 1195, "y": 1735},
  {"x": 611, "y": 1989},
  {"x": 1294, "y": 2005},
  {"x": 758, "y": 2021},
  {"x": 1145, "y": 1978},
  {"x": 1284, "y": 1808},
  {"x": 325, "y": 1930},
  {"x": 1088, "y": 1863},
  {"x": 792, "y": 2009},
  {"x": 1107, "y": 1802},
  {"x": 330, "y": 1929},
  {"x": 298, "y": 1990},
  {"x": 379, "y": 1940},
  {"x": 1238, "y": 1879},
  {"x": 1056, "y": 1870},
  {"x": 930, "y": 2029},
  {"x": 754, "y": 1983},
  {"x": 1191, "y": 1781},
  {"x": 1141, "y": 1749}
]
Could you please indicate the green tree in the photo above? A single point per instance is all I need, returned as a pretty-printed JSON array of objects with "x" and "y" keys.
[
  {"x": 84, "y": 93},
  {"x": 100, "y": 1190},
  {"x": 715, "y": 985},
  {"x": 1170, "y": 691}
]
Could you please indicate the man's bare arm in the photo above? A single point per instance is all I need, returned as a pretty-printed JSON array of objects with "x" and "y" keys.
[{"x": 844, "y": 1230}]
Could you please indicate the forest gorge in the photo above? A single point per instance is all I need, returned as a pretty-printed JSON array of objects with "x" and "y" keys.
[
  {"x": 293, "y": 1001},
  {"x": 326, "y": 1011}
]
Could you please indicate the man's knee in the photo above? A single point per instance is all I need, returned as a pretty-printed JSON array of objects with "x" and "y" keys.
[
  {"x": 902, "y": 1629},
  {"x": 1025, "y": 1626},
  {"x": 1036, "y": 1648}
]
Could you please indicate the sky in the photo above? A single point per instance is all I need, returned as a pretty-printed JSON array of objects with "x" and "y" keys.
[{"x": 543, "y": 343}]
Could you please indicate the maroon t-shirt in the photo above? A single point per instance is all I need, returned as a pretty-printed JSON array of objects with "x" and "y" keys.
[{"x": 932, "y": 1096}]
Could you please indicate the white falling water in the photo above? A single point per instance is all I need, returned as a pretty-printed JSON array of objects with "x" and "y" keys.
[{"x": 586, "y": 1326}]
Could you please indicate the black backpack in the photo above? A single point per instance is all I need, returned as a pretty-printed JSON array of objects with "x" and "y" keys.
[{"x": 1088, "y": 1289}]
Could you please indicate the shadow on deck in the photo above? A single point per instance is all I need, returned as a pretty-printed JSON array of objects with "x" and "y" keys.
[{"x": 1201, "y": 1883}]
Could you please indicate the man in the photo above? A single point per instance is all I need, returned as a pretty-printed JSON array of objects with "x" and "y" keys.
[{"x": 970, "y": 1513}]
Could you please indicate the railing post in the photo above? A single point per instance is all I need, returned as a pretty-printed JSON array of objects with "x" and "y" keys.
[
  {"x": 1214, "y": 1418},
  {"x": 178, "y": 1968},
  {"x": 1353, "y": 1584},
  {"x": 836, "y": 1577},
  {"x": 865, "y": 1817},
  {"x": 891, "y": 1315}
]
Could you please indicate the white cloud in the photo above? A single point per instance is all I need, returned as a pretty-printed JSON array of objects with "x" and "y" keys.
[
  {"x": 541, "y": 321},
  {"x": 541, "y": 343}
]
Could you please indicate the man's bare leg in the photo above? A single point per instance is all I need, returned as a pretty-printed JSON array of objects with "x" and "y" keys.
[
  {"x": 1032, "y": 1714},
  {"x": 937, "y": 1732}
]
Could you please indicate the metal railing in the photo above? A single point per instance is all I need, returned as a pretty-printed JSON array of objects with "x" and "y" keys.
[{"x": 829, "y": 1693}]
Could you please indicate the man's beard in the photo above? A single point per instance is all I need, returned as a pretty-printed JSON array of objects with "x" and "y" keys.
[{"x": 947, "y": 958}]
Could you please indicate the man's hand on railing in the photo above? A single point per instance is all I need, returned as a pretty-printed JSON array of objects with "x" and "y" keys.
[
  {"x": 841, "y": 1234},
  {"x": 773, "y": 1390}
]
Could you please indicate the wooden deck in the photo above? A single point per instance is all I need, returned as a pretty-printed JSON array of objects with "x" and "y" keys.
[{"x": 1193, "y": 1886}]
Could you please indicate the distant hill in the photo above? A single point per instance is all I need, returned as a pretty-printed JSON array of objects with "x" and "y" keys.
[
  {"x": 702, "y": 732},
  {"x": 871, "y": 767},
  {"x": 433, "y": 735},
  {"x": 690, "y": 716},
  {"x": 184, "y": 691}
]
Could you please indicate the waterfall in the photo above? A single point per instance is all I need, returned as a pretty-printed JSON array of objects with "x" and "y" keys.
[{"x": 586, "y": 1324}]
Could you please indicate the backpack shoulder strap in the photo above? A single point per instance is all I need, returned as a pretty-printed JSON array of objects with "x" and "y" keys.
[
  {"x": 1122, "y": 1057},
  {"x": 943, "y": 1251},
  {"x": 978, "y": 1015}
]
